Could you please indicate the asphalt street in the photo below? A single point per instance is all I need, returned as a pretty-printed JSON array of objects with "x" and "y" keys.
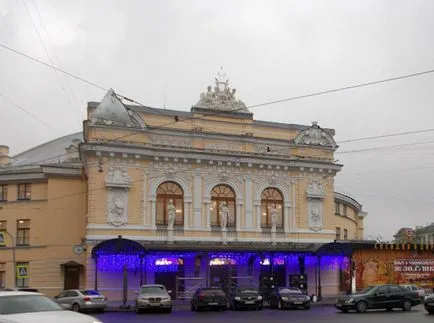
[{"x": 322, "y": 314}]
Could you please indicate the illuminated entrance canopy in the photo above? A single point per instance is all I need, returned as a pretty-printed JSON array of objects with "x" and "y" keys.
[
  {"x": 168, "y": 261},
  {"x": 222, "y": 262}
]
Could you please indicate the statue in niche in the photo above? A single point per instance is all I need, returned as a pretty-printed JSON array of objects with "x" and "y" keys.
[
  {"x": 171, "y": 214},
  {"x": 274, "y": 217},
  {"x": 224, "y": 215},
  {"x": 315, "y": 217}
]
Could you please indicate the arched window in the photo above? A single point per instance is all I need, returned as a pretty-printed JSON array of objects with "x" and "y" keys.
[
  {"x": 165, "y": 192},
  {"x": 271, "y": 198},
  {"x": 219, "y": 194}
]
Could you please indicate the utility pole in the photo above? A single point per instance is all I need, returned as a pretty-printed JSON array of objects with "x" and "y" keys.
[{"x": 13, "y": 257}]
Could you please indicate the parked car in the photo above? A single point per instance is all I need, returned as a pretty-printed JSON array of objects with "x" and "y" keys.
[
  {"x": 209, "y": 298},
  {"x": 379, "y": 297},
  {"x": 414, "y": 288},
  {"x": 289, "y": 297},
  {"x": 82, "y": 300},
  {"x": 153, "y": 297},
  {"x": 428, "y": 303},
  {"x": 244, "y": 297},
  {"x": 28, "y": 307}
]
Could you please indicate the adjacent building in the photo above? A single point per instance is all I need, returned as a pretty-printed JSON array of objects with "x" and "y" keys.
[{"x": 206, "y": 197}]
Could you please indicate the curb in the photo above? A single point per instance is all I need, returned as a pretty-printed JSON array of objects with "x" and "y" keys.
[{"x": 186, "y": 306}]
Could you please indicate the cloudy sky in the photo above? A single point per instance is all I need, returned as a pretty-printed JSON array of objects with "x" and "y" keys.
[{"x": 269, "y": 49}]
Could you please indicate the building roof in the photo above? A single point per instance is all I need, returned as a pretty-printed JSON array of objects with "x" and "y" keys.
[{"x": 51, "y": 152}]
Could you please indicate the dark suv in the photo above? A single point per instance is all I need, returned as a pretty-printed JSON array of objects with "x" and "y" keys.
[{"x": 379, "y": 297}]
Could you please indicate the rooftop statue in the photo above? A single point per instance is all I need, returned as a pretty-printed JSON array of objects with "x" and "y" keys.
[{"x": 221, "y": 97}]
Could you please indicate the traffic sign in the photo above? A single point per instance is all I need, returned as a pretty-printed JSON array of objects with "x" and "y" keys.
[{"x": 22, "y": 271}]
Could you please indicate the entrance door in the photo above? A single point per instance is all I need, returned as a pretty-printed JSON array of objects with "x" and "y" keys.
[
  {"x": 219, "y": 276},
  {"x": 168, "y": 279},
  {"x": 72, "y": 278}
]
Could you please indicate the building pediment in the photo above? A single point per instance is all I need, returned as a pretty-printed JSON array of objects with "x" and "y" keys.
[{"x": 315, "y": 136}]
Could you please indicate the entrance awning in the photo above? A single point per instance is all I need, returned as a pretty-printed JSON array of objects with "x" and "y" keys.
[{"x": 71, "y": 263}]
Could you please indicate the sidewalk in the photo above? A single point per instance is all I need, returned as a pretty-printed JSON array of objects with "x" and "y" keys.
[{"x": 115, "y": 306}]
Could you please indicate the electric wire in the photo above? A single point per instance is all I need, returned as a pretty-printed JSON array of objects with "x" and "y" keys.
[{"x": 49, "y": 58}]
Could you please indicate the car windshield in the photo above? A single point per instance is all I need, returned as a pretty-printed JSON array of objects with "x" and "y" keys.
[
  {"x": 367, "y": 290},
  {"x": 290, "y": 291},
  {"x": 89, "y": 292},
  {"x": 152, "y": 290},
  {"x": 18, "y": 304}
]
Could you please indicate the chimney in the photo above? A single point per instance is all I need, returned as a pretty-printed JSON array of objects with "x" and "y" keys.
[{"x": 4, "y": 155}]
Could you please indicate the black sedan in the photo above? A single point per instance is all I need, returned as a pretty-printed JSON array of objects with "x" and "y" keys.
[
  {"x": 244, "y": 297},
  {"x": 209, "y": 298},
  {"x": 290, "y": 297},
  {"x": 379, "y": 297},
  {"x": 428, "y": 303}
]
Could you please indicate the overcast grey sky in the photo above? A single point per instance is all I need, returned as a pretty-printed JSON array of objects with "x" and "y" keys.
[{"x": 270, "y": 50}]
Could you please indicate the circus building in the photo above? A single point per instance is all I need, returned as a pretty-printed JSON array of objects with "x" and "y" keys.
[{"x": 208, "y": 197}]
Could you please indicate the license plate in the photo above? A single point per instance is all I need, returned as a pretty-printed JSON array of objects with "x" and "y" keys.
[
  {"x": 250, "y": 302},
  {"x": 211, "y": 304},
  {"x": 155, "y": 304},
  {"x": 298, "y": 303}
]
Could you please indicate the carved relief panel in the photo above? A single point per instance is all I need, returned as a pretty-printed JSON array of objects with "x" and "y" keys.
[
  {"x": 118, "y": 184},
  {"x": 315, "y": 193}
]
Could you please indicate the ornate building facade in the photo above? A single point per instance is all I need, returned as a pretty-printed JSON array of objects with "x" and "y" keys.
[{"x": 206, "y": 197}]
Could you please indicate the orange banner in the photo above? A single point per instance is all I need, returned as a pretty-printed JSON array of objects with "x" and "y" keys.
[{"x": 394, "y": 267}]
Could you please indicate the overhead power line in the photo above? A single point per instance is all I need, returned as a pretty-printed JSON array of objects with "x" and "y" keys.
[
  {"x": 387, "y": 135},
  {"x": 49, "y": 58}
]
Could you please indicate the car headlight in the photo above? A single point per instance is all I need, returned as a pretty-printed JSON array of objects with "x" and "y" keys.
[
  {"x": 284, "y": 298},
  {"x": 307, "y": 298},
  {"x": 259, "y": 298},
  {"x": 237, "y": 298}
]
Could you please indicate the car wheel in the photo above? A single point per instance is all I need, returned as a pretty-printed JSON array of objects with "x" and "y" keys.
[
  {"x": 361, "y": 307},
  {"x": 406, "y": 306},
  {"x": 306, "y": 307},
  {"x": 137, "y": 309},
  {"x": 75, "y": 307},
  {"x": 430, "y": 311},
  {"x": 280, "y": 305},
  {"x": 168, "y": 310}
]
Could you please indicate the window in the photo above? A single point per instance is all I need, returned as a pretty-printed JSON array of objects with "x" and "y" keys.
[
  {"x": 2, "y": 233},
  {"x": 345, "y": 234},
  {"x": 2, "y": 275},
  {"x": 337, "y": 208},
  {"x": 338, "y": 234},
  {"x": 22, "y": 281},
  {"x": 220, "y": 194},
  {"x": 166, "y": 192},
  {"x": 23, "y": 232},
  {"x": 345, "y": 210},
  {"x": 3, "y": 193},
  {"x": 24, "y": 191},
  {"x": 271, "y": 199}
]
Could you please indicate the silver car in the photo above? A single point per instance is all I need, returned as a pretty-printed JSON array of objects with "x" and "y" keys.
[
  {"x": 153, "y": 297},
  {"x": 80, "y": 300},
  {"x": 27, "y": 307}
]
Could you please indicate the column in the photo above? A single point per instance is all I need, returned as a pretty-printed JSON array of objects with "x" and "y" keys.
[
  {"x": 258, "y": 216},
  {"x": 286, "y": 217},
  {"x": 249, "y": 204},
  {"x": 239, "y": 215},
  {"x": 197, "y": 200},
  {"x": 207, "y": 205},
  {"x": 153, "y": 217},
  {"x": 187, "y": 224}
]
